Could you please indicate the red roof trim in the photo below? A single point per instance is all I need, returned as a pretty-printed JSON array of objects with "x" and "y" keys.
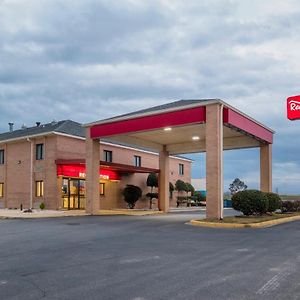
[
  {"x": 174, "y": 118},
  {"x": 241, "y": 122}
]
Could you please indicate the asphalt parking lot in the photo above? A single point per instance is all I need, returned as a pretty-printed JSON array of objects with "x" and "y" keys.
[{"x": 151, "y": 257}]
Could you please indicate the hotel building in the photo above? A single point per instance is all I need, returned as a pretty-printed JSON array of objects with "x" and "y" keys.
[{"x": 46, "y": 164}]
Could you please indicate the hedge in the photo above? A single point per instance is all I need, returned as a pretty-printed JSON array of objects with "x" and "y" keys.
[{"x": 250, "y": 202}]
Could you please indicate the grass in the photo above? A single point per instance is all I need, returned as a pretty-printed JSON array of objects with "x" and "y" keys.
[
  {"x": 290, "y": 197},
  {"x": 252, "y": 219}
]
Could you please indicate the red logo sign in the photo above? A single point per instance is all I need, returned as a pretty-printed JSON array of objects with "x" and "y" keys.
[{"x": 293, "y": 108}]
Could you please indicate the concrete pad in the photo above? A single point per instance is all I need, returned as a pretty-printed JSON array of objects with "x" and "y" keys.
[{"x": 36, "y": 214}]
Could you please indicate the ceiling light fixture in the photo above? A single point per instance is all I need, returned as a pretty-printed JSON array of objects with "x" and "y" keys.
[
  {"x": 167, "y": 129},
  {"x": 195, "y": 138}
]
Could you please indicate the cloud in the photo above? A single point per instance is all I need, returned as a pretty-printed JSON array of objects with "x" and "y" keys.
[{"x": 92, "y": 59}]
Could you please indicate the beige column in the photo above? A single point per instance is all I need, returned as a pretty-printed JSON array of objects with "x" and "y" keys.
[
  {"x": 92, "y": 162},
  {"x": 266, "y": 167},
  {"x": 163, "y": 184},
  {"x": 214, "y": 161}
]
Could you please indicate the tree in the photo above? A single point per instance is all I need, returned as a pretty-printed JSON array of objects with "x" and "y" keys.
[
  {"x": 236, "y": 186},
  {"x": 190, "y": 188},
  {"x": 132, "y": 194},
  {"x": 180, "y": 186},
  {"x": 152, "y": 181}
]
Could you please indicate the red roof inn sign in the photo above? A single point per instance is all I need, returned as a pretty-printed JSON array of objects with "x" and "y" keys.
[{"x": 293, "y": 108}]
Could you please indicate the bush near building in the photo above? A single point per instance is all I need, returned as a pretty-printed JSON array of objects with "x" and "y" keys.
[{"x": 132, "y": 193}]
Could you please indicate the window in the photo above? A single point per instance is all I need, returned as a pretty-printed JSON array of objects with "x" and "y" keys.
[
  {"x": 39, "y": 152},
  {"x": 181, "y": 169},
  {"x": 107, "y": 156},
  {"x": 1, "y": 189},
  {"x": 102, "y": 189},
  {"x": 39, "y": 188},
  {"x": 2, "y": 157},
  {"x": 137, "y": 161}
]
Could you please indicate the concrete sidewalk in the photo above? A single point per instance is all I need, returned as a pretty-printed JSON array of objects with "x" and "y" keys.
[{"x": 37, "y": 213}]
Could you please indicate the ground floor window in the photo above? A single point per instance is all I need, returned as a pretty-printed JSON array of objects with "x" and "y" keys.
[
  {"x": 1, "y": 189},
  {"x": 39, "y": 188},
  {"x": 102, "y": 189}
]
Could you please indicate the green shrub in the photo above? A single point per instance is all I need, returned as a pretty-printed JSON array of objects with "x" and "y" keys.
[
  {"x": 274, "y": 201},
  {"x": 250, "y": 202},
  {"x": 290, "y": 206},
  {"x": 132, "y": 194},
  {"x": 42, "y": 205},
  {"x": 180, "y": 186}
]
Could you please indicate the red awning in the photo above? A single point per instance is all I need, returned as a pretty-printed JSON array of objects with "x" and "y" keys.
[{"x": 111, "y": 171}]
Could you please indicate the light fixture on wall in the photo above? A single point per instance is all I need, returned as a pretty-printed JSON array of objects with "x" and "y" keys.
[
  {"x": 167, "y": 129},
  {"x": 195, "y": 138}
]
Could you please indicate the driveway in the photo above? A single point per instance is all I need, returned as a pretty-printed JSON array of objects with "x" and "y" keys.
[{"x": 150, "y": 257}]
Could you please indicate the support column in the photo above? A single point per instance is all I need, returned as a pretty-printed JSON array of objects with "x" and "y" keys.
[
  {"x": 92, "y": 162},
  {"x": 214, "y": 161},
  {"x": 266, "y": 167},
  {"x": 163, "y": 184}
]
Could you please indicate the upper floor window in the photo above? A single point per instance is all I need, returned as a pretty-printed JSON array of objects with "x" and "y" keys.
[
  {"x": 107, "y": 155},
  {"x": 1, "y": 189},
  {"x": 137, "y": 161},
  {"x": 2, "y": 157},
  {"x": 181, "y": 169},
  {"x": 39, "y": 151}
]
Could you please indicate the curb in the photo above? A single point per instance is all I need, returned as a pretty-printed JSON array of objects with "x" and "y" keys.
[
  {"x": 249, "y": 225},
  {"x": 128, "y": 213}
]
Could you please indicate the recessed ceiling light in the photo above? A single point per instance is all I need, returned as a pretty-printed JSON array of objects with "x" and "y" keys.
[
  {"x": 167, "y": 129},
  {"x": 195, "y": 138}
]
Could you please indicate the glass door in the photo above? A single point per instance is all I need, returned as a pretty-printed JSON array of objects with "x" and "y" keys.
[{"x": 73, "y": 193}]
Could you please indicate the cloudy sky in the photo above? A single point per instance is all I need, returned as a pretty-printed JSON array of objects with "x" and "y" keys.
[{"x": 91, "y": 59}]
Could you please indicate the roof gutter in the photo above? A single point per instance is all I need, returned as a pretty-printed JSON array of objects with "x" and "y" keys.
[{"x": 26, "y": 137}]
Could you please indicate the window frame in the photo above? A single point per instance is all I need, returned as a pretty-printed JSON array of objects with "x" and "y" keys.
[
  {"x": 39, "y": 151},
  {"x": 108, "y": 154},
  {"x": 2, "y": 156},
  {"x": 137, "y": 160},
  {"x": 39, "y": 188}
]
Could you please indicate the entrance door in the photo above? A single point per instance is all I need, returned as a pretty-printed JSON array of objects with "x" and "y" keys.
[{"x": 73, "y": 193}]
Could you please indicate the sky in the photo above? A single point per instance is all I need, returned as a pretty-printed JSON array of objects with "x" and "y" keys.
[{"x": 87, "y": 60}]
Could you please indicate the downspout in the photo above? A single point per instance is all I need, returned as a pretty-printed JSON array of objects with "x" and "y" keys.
[{"x": 31, "y": 173}]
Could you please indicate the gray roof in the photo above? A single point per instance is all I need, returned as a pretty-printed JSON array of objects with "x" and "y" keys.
[
  {"x": 169, "y": 105},
  {"x": 65, "y": 126}
]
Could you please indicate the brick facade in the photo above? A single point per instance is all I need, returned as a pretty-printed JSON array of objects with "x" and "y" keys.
[{"x": 16, "y": 170}]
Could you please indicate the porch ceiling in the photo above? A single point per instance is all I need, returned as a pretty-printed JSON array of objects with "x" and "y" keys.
[{"x": 179, "y": 140}]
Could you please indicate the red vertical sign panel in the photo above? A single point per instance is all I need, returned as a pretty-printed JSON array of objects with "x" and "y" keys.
[{"x": 293, "y": 108}]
